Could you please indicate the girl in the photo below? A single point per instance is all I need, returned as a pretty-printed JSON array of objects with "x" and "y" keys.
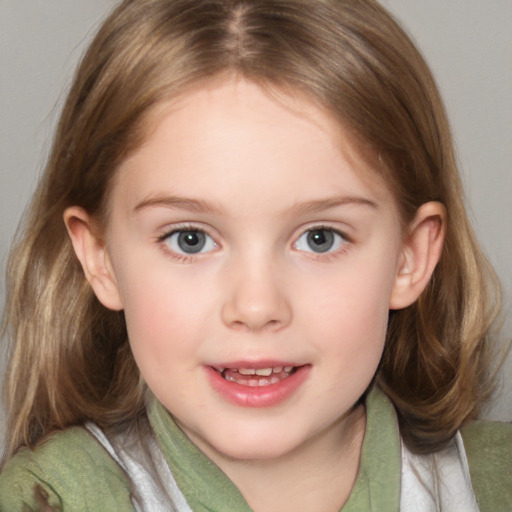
[{"x": 251, "y": 280}]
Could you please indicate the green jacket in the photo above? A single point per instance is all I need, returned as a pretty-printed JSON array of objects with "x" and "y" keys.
[{"x": 78, "y": 475}]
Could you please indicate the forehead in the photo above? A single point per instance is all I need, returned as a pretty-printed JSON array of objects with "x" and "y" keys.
[{"x": 234, "y": 139}]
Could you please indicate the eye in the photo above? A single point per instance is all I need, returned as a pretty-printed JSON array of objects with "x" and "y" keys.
[
  {"x": 190, "y": 241},
  {"x": 320, "y": 240}
]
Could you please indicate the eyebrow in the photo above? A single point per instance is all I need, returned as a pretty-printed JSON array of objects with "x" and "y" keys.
[
  {"x": 331, "y": 202},
  {"x": 179, "y": 203},
  {"x": 203, "y": 206}
]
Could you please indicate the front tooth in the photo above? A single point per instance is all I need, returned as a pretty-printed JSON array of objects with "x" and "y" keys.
[
  {"x": 247, "y": 371},
  {"x": 264, "y": 372}
]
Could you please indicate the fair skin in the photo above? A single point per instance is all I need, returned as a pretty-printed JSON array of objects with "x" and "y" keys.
[{"x": 246, "y": 235}]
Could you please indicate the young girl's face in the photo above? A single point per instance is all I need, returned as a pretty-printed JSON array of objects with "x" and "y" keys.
[{"x": 255, "y": 258}]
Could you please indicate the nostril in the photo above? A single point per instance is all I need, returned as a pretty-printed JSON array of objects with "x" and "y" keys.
[{"x": 238, "y": 325}]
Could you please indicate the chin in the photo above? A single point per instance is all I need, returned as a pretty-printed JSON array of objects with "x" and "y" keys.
[{"x": 251, "y": 448}]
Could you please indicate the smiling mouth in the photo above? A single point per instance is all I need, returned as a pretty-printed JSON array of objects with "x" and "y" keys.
[{"x": 257, "y": 377}]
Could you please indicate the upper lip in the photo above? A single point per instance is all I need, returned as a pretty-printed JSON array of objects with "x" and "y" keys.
[{"x": 256, "y": 365}]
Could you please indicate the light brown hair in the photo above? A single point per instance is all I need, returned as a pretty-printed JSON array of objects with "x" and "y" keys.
[{"x": 70, "y": 360}]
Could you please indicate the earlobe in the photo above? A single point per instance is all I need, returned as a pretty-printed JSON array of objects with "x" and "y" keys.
[
  {"x": 421, "y": 252},
  {"x": 91, "y": 252}
]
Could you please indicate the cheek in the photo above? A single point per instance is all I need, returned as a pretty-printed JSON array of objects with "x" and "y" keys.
[
  {"x": 356, "y": 299},
  {"x": 159, "y": 312},
  {"x": 348, "y": 314}
]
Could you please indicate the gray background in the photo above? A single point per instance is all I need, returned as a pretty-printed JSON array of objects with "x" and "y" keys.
[{"x": 468, "y": 44}]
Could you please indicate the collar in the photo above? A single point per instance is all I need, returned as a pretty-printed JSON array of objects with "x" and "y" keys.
[{"x": 207, "y": 489}]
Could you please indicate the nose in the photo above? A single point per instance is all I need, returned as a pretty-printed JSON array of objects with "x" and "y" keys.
[{"x": 256, "y": 298}]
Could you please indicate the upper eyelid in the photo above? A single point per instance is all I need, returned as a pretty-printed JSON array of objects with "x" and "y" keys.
[
  {"x": 168, "y": 230},
  {"x": 319, "y": 226}
]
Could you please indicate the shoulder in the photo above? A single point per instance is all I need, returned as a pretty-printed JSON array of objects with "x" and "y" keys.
[
  {"x": 488, "y": 446},
  {"x": 72, "y": 469}
]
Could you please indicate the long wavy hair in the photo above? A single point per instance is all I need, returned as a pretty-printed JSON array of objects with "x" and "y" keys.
[{"x": 69, "y": 356}]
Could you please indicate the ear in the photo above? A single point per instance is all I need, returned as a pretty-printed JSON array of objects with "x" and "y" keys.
[
  {"x": 91, "y": 251},
  {"x": 421, "y": 251}
]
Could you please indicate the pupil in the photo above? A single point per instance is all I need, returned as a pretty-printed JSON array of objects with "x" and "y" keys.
[
  {"x": 320, "y": 240},
  {"x": 191, "y": 242}
]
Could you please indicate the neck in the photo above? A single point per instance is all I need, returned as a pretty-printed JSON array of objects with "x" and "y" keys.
[{"x": 318, "y": 475}]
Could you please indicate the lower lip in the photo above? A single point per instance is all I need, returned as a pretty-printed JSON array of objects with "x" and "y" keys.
[{"x": 264, "y": 396}]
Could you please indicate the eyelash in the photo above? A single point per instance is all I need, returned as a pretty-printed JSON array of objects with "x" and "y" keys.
[
  {"x": 328, "y": 255},
  {"x": 177, "y": 256}
]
